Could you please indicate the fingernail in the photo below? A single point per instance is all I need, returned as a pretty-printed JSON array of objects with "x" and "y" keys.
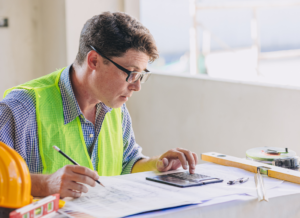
[
  {"x": 192, "y": 171},
  {"x": 193, "y": 165},
  {"x": 185, "y": 167}
]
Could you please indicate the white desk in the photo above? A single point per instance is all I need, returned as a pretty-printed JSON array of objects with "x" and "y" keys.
[
  {"x": 279, "y": 207},
  {"x": 287, "y": 206}
]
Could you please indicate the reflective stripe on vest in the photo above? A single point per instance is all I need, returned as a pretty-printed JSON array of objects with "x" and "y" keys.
[{"x": 69, "y": 138}]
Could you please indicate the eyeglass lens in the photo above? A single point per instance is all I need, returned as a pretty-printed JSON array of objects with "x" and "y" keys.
[{"x": 134, "y": 76}]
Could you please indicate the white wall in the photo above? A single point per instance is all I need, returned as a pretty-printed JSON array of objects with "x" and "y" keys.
[
  {"x": 204, "y": 115},
  {"x": 78, "y": 12},
  {"x": 132, "y": 7},
  {"x": 17, "y": 43},
  {"x": 53, "y": 47},
  {"x": 34, "y": 42}
]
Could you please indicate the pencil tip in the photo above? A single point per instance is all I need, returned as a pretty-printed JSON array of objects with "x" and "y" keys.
[{"x": 99, "y": 183}]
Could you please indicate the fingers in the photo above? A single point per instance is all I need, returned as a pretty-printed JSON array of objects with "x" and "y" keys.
[
  {"x": 162, "y": 165},
  {"x": 186, "y": 158},
  {"x": 190, "y": 158},
  {"x": 85, "y": 171},
  {"x": 66, "y": 181},
  {"x": 175, "y": 164},
  {"x": 175, "y": 154},
  {"x": 195, "y": 157},
  {"x": 73, "y": 189},
  {"x": 80, "y": 174},
  {"x": 72, "y": 176},
  {"x": 77, "y": 187},
  {"x": 70, "y": 193},
  {"x": 83, "y": 179}
]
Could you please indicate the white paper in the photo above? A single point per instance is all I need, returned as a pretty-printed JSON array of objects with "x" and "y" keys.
[
  {"x": 132, "y": 194},
  {"x": 211, "y": 191},
  {"x": 122, "y": 198},
  {"x": 286, "y": 188}
]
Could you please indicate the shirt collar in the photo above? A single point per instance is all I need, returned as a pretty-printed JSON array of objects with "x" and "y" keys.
[{"x": 70, "y": 105}]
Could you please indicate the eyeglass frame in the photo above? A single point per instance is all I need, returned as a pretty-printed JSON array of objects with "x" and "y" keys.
[{"x": 120, "y": 67}]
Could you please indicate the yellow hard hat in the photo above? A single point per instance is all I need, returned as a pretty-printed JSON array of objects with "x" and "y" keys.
[{"x": 15, "y": 182}]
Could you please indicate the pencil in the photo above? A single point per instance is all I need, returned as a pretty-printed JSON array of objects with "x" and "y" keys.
[{"x": 73, "y": 161}]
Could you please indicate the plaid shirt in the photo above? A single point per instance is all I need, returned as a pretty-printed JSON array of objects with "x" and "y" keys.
[{"x": 18, "y": 126}]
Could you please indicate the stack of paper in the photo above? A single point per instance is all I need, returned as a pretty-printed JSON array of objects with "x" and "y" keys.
[{"x": 132, "y": 194}]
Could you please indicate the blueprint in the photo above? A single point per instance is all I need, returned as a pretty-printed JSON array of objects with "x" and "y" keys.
[
  {"x": 211, "y": 191},
  {"x": 121, "y": 198},
  {"x": 132, "y": 194}
]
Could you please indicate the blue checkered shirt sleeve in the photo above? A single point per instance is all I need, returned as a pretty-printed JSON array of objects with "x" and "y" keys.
[
  {"x": 132, "y": 151},
  {"x": 18, "y": 128}
]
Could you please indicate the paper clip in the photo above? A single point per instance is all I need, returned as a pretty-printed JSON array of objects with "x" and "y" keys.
[{"x": 260, "y": 187}]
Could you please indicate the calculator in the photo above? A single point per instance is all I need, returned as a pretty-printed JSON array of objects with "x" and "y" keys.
[{"x": 184, "y": 179}]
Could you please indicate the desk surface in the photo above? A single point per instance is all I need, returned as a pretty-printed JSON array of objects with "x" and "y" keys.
[
  {"x": 247, "y": 206},
  {"x": 279, "y": 207}
]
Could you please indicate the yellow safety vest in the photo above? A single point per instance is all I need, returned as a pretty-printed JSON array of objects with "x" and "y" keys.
[{"x": 69, "y": 138}]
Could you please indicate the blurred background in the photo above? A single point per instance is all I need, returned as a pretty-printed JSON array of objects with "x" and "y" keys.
[
  {"x": 227, "y": 79},
  {"x": 241, "y": 40}
]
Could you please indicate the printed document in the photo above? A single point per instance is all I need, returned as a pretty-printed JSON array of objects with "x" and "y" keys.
[
  {"x": 122, "y": 198},
  {"x": 132, "y": 194}
]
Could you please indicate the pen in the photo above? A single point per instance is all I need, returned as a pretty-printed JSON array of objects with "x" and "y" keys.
[
  {"x": 73, "y": 161},
  {"x": 241, "y": 180}
]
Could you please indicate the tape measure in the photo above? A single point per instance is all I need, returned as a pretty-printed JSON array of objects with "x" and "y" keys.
[{"x": 281, "y": 157}]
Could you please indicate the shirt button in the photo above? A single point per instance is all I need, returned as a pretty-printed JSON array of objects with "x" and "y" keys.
[{"x": 91, "y": 135}]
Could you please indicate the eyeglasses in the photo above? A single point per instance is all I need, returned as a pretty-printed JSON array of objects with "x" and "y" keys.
[{"x": 133, "y": 76}]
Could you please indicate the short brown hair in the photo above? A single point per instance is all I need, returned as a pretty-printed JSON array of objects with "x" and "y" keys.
[{"x": 113, "y": 34}]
